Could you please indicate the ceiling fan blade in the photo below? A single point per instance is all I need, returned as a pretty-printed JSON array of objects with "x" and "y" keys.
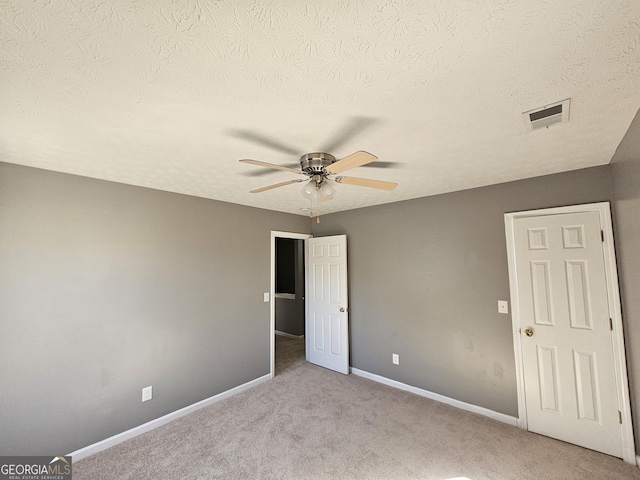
[
  {"x": 271, "y": 165},
  {"x": 366, "y": 182},
  {"x": 352, "y": 161},
  {"x": 353, "y": 127},
  {"x": 264, "y": 141},
  {"x": 383, "y": 165},
  {"x": 281, "y": 184},
  {"x": 262, "y": 172}
]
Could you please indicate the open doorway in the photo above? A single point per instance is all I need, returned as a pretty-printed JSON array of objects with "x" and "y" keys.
[{"x": 288, "y": 292}]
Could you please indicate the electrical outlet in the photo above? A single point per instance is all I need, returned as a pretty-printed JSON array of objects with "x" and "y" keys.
[
  {"x": 395, "y": 358},
  {"x": 147, "y": 393},
  {"x": 503, "y": 306}
]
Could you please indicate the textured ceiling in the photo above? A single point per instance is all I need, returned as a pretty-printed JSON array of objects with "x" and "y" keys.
[{"x": 171, "y": 94}]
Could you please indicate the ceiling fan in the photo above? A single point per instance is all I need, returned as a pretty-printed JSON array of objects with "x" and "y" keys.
[{"x": 320, "y": 168}]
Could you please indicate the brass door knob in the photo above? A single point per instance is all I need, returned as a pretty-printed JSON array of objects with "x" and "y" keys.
[
  {"x": 342, "y": 309},
  {"x": 529, "y": 332}
]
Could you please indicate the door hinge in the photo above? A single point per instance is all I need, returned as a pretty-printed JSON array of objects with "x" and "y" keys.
[
  {"x": 602, "y": 235},
  {"x": 610, "y": 324},
  {"x": 620, "y": 417}
]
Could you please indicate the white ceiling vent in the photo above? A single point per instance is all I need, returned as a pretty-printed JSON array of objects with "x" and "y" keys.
[{"x": 547, "y": 115}]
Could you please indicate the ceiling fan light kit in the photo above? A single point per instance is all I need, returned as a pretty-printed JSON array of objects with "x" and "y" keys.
[{"x": 319, "y": 189}]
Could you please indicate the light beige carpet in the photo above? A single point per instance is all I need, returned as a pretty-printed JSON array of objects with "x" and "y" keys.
[{"x": 311, "y": 423}]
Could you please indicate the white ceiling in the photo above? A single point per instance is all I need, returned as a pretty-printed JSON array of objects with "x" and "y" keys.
[{"x": 171, "y": 94}]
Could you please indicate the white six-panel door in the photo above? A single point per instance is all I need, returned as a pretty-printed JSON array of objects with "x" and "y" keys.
[
  {"x": 327, "y": 330},
  {"x": 567, "y": 351}
]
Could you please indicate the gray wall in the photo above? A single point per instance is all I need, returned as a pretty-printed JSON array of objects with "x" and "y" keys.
[
  {"x": 107, "y": 288},
  {"x": 625, "y": 175},
  {"x": 425, "y": 276},
  {"x": 290, "y": 311}
]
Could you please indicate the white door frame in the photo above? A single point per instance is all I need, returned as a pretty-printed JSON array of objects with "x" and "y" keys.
[
  {"x": 615, "y": 313},
  {"x": 272, "y": 290}
]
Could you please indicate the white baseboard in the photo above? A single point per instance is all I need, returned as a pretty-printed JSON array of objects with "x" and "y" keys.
[
  {"x": 501, "y": 417},
  {"x": 288, "y": 335},
  {"x": 158, "y": 422}
]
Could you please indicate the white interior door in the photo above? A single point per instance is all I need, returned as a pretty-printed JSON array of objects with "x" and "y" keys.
[
  {"x": 327, "y": 329},
  {"x": 567, "y": 349}
]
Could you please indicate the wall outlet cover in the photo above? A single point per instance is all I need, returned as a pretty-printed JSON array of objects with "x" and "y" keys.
[{"x": 503, "y": 306}]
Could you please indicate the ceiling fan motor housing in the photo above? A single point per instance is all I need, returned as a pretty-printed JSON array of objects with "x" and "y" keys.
[{"x": 315, "y": 163}]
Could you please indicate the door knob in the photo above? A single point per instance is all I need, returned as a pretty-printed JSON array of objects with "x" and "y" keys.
[
  {"x": 529, "y": 332},
  {"x": 342, "y": 309}
]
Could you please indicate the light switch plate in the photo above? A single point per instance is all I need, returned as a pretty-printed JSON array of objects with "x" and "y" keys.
[
  {"x": 503, "y": 306},
  {"x": 147, "y": 393},
  {"x": 266, "y": 297}
]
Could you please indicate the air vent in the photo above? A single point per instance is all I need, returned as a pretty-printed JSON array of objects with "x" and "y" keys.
[{"x": 547, "y": 115}]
